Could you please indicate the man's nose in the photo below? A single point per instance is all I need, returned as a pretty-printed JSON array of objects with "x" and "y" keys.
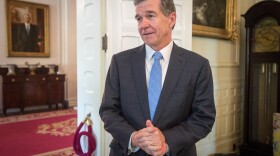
[{"x": 144, "y": 23}]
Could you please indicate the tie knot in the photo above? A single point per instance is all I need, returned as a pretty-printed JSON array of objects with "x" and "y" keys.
[{"x": 157, "y": 55}]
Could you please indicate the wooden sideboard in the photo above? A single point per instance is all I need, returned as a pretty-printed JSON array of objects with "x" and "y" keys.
[{"x": 24, "y": 90}]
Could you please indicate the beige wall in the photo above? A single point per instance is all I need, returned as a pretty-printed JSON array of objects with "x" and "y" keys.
[
  {"x": 62, "y": 43},
  {"x": 227, "y": 61}
]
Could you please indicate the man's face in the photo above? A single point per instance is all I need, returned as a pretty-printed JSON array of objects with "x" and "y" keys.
[
  {"x": 154, "y": 28},
  {"x": 26, "y": 19}
]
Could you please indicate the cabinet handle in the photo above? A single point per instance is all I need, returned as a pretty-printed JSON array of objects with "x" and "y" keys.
[
  {"x": 57, "y": 78},
  {"x": 27, "y": 79},
  {"x": 13, "y": 80},
  {"x": 43, "y": 79}
]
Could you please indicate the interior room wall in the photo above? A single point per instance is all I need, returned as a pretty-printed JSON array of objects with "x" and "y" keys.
[
  {"x": 68, "y": 53},
  {"x": 62, "y": 43},
  {"x": 227, "y": 61},
  {"x": 55, "y": 37}
]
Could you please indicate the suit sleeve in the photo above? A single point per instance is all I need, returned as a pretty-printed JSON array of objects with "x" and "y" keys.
[
  {"x": 201, "y": 120},
  {"x": 110, "y": 110}
]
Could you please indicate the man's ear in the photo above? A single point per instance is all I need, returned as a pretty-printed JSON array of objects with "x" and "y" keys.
[{"x": 172, "y": 20}]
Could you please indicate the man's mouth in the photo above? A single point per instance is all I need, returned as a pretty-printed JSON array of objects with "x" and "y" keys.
[{"x": 145, "y": 34}]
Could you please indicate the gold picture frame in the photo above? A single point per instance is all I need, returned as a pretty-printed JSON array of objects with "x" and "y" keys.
[
  {"x": 215, "y": 18},
  {"x": 27, "y": 40}
]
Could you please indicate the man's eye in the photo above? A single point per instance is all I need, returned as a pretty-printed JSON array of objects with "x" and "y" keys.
[
  {"x": 150, "y": 16},
  {"x": 138, "y": 18}
]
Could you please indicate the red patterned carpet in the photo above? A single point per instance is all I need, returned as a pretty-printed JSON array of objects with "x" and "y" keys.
[{"x": 40, "y": 134}]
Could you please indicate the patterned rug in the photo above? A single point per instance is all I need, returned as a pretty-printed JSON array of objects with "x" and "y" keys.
[{"x": 40, "y": 134}]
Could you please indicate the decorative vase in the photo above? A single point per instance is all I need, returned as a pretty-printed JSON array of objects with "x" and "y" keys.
[
  {"x": 32, "y": 67},
  {"x": 11, "y": 69},
  {"x": 51, "y": 69}
]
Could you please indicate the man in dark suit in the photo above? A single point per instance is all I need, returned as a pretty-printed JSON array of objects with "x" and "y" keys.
[
  {"x": 185, "y": 110},
  {"x": 27, "y": 38}
]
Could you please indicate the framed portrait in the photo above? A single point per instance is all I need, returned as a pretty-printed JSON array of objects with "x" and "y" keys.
[
  {"x": 27, "y": 29},
  {"x": 214, "y": 18}
]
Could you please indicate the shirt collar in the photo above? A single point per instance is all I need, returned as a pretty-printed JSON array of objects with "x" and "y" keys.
[{"x": 166, "y": 51}]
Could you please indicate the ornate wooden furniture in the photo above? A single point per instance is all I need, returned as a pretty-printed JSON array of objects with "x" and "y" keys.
[
  {"x": 262, "y": 77},
  {"x": 23, "y": 90}
]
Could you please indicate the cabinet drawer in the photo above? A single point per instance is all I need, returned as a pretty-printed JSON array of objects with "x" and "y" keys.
[
  {"x": 57, "y": 78},
  {"x": 35, "y": 78},
  {"x": 12, "y": 79}
]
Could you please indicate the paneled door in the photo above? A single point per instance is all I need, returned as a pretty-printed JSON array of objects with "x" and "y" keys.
[{"x": 89, "y": 65}]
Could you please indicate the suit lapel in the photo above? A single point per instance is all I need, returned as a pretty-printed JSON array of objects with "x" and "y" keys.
[
  {"x": 174, "y": 70},
  {"x": 139, "y": 76}
]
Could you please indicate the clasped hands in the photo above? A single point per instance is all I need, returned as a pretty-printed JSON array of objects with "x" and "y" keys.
[{"x": 150, "y": 139}]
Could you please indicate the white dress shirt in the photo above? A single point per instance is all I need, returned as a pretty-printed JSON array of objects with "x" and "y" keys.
[
  {"x": 27, "y": 26},
  {"x": 166, "y": 52}
]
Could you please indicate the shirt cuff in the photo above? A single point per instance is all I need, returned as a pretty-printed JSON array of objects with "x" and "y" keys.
[{"x": 131, "y": 149}]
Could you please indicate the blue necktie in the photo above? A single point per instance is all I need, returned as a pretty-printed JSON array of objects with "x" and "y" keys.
[{"x": 154, "y": 88}]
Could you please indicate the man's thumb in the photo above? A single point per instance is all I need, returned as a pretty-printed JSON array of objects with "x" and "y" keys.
[{"x": 149, "y": 123}]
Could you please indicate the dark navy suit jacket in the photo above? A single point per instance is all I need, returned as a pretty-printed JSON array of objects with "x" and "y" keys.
[
  {"x": 27, "y": 42},
  {"x": 185, "y": 112}
]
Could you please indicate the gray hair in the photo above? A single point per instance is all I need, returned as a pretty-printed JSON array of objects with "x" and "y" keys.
[{"x": 166, "y": 6}]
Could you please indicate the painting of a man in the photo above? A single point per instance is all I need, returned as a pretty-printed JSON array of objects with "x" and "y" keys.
[
  {"x": 28, "y": 29},
  {"x": 27, "y": 36}
]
